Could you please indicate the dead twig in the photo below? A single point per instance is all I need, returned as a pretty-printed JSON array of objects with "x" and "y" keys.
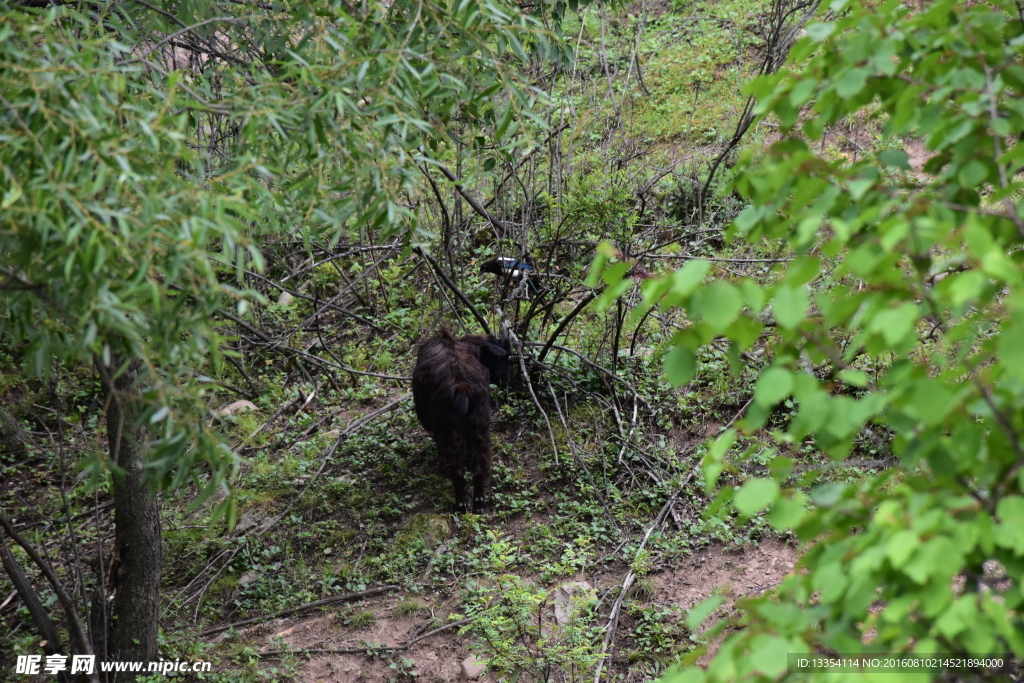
[
  {"x": 529, "y": 385},
  {"x": 565, "y": 322},
  {"x": 352, "y": 427},
  {"x": 627, "y": 583},
  {"x": 603, "y": 370},
  {"x": 83, "y": 644},
  {"x": 451, "y": 285}
]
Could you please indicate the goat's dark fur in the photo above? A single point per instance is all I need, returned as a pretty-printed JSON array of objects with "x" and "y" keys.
[{"x": 450, "y": 388}]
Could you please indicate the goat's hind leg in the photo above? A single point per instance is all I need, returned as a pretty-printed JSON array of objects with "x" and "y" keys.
[
  {"x": 479, "y": 491},
  {"x": 459, "y": 484},
  {"x": 481, "y": 481}
]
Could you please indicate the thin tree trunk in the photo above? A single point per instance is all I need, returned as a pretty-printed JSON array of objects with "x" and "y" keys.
[
  {"x": 50, "y": 639},
  {"x": 136, "y": 609}
]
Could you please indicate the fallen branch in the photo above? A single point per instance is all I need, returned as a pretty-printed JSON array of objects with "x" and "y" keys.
[
  {"x": 300, "y": 608},
  {"x": 278, "y": 345},
  {"x": 685, "y": 257},
  {"x": 529, "y": 385},
  {"x": 368, "y": 648},
  {"x": 579, "y": 459}
]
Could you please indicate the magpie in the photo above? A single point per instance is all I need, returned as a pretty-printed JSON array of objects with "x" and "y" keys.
[{"x": 505, "y": 266}]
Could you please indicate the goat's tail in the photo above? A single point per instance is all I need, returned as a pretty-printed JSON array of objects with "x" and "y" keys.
[{"x": 460, "y": 399}]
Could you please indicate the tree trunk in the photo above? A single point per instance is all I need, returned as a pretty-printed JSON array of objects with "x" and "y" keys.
[{"x": 136, "y": 609}]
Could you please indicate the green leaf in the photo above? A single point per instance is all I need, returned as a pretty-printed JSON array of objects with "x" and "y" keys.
[
  {"x": 756, "y": 495},
  {"x": 972, "y": 174},
  {"x": 677, "y": 674},
  {"x": 596, "y": 268},
  {"x": 831, "y": 582},
  {"x": 819, "y": 31},
  {"x": 939, "y": 558},
  {"x": 895, "y": 324},
  {"x": 961, "y": 615},
  {"x": 696, "y": 616},
  {"x": 802, "y": 91},
  {"x": 1011, "y": 510},
  {"x": 714, "y": 460},
  {"x": 787, "y": 513},
  {"x": 748, "y": 218},
  {"x": 851, "y": 83},
  {"x": 856, "y": 378},
  {"x": 997, "y": 264},
  {"x": 688, "y": 278},
  {"x": 802, "y": 270},
  {"x": 718, "y": 304},
  {"x": 858, "y": 188},
  {"x": 12, "y": 194},
  {"x": 680, "y": 365},
  {"x": 614, "y": 273},
  {"x": 506, "y": 119},
  {"x": 768, "y": 655},
  {"x": 613, "y": 291},
  {"x": 772, "y": 386},
  {"x": 1009, "y": 532},
  {"x": 901, "y": 546},
  {"x": 827, "y": 495},
  {"x": 790, "y": 306},
  {"x": 895, "y": 157}
]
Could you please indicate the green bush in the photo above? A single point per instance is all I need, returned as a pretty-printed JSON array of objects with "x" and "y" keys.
[{"x": 905, "y": 293}]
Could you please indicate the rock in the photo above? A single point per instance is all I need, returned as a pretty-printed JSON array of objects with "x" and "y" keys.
[
  {"x": 473, "y": 668},
  {"x": 251, "y": 518},
  {"x": 249, "y": 577},
  {"x": 237, "y": 407},
  {"x": 569, "y": 597},
  {"x": 284, "y": 299},
  {"x": 14, "y": 439}
]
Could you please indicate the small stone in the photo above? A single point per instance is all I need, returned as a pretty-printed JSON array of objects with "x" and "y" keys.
[
  {"x": 473, "y": 668},
  {"x": 284, "y": 299}
]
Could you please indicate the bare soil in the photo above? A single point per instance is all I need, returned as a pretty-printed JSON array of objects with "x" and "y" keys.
[{"x": 731, "y": 572}]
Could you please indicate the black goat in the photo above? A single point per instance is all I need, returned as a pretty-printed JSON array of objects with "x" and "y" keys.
[{"x": 450, "y": 388}]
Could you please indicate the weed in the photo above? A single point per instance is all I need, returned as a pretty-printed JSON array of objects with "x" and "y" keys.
[
  {"x": 360, "y": 619},
  {"x": 518, "y": 635},
  {"x": 408, "y": 607}
]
